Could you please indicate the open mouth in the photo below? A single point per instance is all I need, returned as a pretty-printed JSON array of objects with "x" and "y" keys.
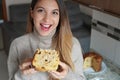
[{"x": 45, "y": 27}]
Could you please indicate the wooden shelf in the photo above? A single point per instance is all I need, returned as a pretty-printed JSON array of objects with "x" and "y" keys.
[{"x": 111, "y": 7}]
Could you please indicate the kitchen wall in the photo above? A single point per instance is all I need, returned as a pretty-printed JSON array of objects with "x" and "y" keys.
[
  {"x": 84, "y": 9},
  {"x": 10, "y": 2}
]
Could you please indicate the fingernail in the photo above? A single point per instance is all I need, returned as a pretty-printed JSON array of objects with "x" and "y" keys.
[{"x": 30, "y": 66}]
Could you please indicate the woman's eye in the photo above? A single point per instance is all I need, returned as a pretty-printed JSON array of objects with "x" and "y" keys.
[
  {"x": 40, "y": 10},
  {"x": 55, "y": 13}
]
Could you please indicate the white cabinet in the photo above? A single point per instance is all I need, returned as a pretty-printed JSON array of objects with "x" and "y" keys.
[
  {"x": 117, "y": 56},
  {"x": 105, "y": 36},
  {"x": 103, "y": 45}
]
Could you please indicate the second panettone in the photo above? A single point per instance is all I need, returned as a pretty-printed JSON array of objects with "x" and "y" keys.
[{"x": 92, "y": 59}]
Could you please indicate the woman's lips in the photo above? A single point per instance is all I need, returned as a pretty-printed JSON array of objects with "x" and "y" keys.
[{"x": 45, "y": 27}]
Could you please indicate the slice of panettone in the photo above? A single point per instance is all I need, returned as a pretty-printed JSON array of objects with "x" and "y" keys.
[
  {"x": 88, "y": 60},
  {"x": 46, "y": 60}
]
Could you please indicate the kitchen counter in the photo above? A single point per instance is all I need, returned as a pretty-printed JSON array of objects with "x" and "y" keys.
[{"x": 112, "y": 72}]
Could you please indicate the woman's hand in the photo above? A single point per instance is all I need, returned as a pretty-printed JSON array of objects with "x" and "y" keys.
[
  {"x": 61, "y": 72},
  {"x": 26, "y": 67}
]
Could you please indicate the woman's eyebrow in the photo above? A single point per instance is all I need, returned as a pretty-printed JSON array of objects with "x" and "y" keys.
[
  {"x": 56, "y": 10},
  {"x": 39, "y": 7}
]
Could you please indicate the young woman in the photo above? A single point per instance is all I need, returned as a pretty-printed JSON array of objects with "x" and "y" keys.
[{"x": 48, "y": 28}]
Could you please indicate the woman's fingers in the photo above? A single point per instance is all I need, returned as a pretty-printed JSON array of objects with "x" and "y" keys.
[
  {"x": 26, "y": 63},
  {"x": 26, "y": 67},
  {"x": 60, "y": 73},
  {"x": 63, "y": 67}
]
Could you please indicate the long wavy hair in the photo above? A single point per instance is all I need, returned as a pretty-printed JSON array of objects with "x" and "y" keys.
[{"x": 62, "y": 40}]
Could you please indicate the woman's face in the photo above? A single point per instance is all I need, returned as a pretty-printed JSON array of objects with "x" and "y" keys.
[{"x": 45, "y": 16}]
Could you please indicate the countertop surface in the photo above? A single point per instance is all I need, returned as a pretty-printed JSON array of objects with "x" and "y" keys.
[{"x": 111, "y": 72}]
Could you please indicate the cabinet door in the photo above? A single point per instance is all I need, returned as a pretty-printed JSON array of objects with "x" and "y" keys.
[
  {"x": 95, "y": 3},
  {"x": 103, "y": 4},
  {"x": 117, "y": 56},
  {"x": 103, "y": 45},
  {"x": 114, "y": 6}
]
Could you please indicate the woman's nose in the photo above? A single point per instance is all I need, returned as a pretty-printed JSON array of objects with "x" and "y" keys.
[{"x": 47, "y": 18}]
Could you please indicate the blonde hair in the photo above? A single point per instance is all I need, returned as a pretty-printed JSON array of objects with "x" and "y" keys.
[{"x": 62, "y": 40}]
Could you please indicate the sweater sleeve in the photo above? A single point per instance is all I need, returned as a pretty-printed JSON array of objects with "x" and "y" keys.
[
  {"x": 77, "y": 58},
  {"x": 12, "y": 61}
]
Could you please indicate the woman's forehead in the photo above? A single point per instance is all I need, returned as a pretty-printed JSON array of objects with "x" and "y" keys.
[{"x": 47, "y": 4}]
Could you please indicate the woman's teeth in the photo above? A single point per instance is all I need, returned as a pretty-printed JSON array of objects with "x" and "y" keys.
[{"x": 46, "y": 25}]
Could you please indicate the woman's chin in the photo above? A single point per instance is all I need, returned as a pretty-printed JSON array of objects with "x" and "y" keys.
[{"x": 44, "y": 34}]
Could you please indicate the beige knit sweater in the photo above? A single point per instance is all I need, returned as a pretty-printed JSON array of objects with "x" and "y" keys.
[{"x": 24, "y": 47}]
